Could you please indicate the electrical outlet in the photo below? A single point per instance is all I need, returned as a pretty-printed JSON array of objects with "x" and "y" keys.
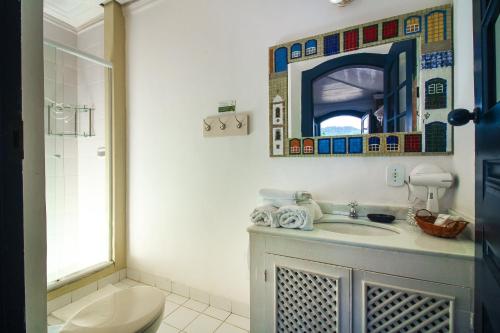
[{"x": 395, "y": 175}]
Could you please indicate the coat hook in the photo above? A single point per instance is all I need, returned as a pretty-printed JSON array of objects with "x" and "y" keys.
[
  {"x": 239, "y": 122},
  {"x": 222, "y": 126},
  {"x": 207, "y": 126}
]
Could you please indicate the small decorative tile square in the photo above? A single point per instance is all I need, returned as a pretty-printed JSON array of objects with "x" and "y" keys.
[
  {"x": 355, "y": 145},
  {"x": 295, "y": 146},
  {"x": 339, "y": 145},
  {"x": 435, "y": 23},
  {"x": 351, "y": 40},
  {"x": 390, "y": 29},
  {"x": 324, "y": 146},
  {"x": 311, "y": 47},
  {"x": 296, "y": 51},
  {"x": 393, "y": 143},
  {"x": 437, "y": 59},
  {"x": 413, "y": 24},
  {"x": 370, "y": 34},
  {"x": 413, "y": 142},
  {"x": 308, "y": 146},
  {"x": 331, "y": 44},
  {"x": 374, "y": 144},
  {"x": 435, "y": 137},
  {"x": 436, "y": 93}
]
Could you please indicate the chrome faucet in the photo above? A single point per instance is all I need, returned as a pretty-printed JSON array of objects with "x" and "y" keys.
[{"x": 353, "y": 213}]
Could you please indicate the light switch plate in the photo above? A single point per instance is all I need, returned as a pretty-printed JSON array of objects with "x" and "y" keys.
[{"x": 395, "y": 175}]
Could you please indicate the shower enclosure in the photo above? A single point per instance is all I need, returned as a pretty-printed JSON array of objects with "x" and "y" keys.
[{"x": 77, "y": 151}]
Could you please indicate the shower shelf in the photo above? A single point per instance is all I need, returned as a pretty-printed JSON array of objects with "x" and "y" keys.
[{"x": 70, "y": 120}]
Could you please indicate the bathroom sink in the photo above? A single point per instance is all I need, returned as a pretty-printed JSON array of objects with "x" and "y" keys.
[{"x": 358, "y": 228}]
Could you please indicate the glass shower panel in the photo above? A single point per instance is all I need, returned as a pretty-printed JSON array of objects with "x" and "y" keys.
[{"x": 77, "y": 191}]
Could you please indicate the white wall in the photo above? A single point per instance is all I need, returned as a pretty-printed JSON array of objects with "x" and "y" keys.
[
  {"x": 189, "y": 197},
  {"x": 464, "y": 137},
  {"x": 33, "y": 168}
]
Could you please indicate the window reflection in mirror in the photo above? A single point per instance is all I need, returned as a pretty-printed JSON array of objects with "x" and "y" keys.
[{"x": 361, "y": 93}]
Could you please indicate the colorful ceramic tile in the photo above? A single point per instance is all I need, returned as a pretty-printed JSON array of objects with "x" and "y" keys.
[
  {"x": 435, "y": 94},
  {"x": 437, "y": 59},
  {"x": 278, "y": 141},
  {"x": 370, "y": 34},
  {"x": 295, "y": 146},
  {"x": 296, "y": 51},
  {"x": 339, "y": 145},
  {"x": 435, "y": 23},
  {"x": 390, "y": 29},
  {"x": 374, "y": 144},
  {"x": 393, "y": 143},
  {"x": 281, "y": 60},
  {"x": 351, "y": 40},
  {"x": 413, "y": 143},
  {"x": 311, "y": 47},
  {"x": 413, "y": 25},
  {"x": 324, "y": 146},
  {"x": 331, "y": 44},
  {"x": 308, "y": 146},
  {"x": 435, "y": 137},
  {"x": 356, "y": 145},
  {"x": 278, "y": 110}
]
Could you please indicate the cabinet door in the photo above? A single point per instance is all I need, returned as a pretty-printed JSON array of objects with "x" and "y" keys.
[
  {"x": 387, "y": 303},
  {"x": 306, "y": 296}
]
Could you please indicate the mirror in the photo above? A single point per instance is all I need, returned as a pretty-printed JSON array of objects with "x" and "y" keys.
[
  {"x": 380, "y": 88},
  {"x": 370, "y": 91}
]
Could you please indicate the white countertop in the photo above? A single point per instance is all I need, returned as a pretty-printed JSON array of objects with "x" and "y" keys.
[{"x": 408, "y": 238}]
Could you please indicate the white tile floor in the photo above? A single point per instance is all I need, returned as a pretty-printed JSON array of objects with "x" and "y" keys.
[{"x": 185, "y": 315}]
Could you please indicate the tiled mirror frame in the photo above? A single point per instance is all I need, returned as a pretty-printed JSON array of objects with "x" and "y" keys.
[{"x": 433, "y": 26}]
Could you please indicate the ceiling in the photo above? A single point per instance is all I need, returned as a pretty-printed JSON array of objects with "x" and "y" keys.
[
  {"x": 349, "y": 84},
  {"x": 76, "y": 13}
]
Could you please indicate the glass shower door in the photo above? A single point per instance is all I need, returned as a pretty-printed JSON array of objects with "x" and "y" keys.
[{"x": 77, "y": 180}]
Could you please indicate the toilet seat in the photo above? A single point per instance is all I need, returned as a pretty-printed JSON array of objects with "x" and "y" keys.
[{"x": 126, "y": 311}]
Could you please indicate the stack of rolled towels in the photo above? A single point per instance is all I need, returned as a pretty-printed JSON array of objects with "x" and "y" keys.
[{"x": 286, "y": 209}]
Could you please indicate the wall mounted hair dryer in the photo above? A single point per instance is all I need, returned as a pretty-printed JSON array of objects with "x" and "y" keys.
[{"x": 434, "y": 180}]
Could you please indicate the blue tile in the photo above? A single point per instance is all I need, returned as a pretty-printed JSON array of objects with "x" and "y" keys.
[
  {"x": 356, "y": 145},
  {"x": 281, "y": 60},
  {"x": 437, "y": 60},
  {"x": 324, "y": 146},
  {"x": 331, "y": 44},
  {"x": 339, "y": 145}
]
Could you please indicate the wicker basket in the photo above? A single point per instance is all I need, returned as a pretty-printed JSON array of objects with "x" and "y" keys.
[{"x": 450, "y": 229}]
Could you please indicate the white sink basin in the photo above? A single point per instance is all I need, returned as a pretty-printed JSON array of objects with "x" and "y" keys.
[{"x": 359, "y": 228}]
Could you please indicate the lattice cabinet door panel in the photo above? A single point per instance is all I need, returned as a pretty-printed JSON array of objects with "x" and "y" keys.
[
  {"x": 392, "y": 304},
  {"x": 305, "y": 296}
]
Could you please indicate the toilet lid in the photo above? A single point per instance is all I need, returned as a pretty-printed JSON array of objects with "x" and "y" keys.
[{"x": 126, "y": 311}]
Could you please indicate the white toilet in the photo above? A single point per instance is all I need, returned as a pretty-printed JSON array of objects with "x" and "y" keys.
[{"x": 132, "y": 310}]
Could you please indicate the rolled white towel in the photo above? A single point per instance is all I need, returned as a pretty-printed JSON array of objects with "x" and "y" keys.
[
  {"x": 313, "y": 207},
  {"x": 272, "y": 194},
  {"x": 295, "y": 217},
  {"x": 265, "y": 216},
  {"x": 277, "y": 202}
]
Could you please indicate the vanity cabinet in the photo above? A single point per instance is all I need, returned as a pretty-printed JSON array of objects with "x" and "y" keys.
[
  {"x": 300, "y": 285},
  {"x": 307, "y": 296}
]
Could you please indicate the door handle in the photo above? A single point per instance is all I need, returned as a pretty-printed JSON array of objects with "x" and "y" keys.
[{"x": 460, "y": 117}]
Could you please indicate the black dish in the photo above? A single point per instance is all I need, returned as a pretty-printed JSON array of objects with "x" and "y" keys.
[{"x": 381, "y": 218}]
